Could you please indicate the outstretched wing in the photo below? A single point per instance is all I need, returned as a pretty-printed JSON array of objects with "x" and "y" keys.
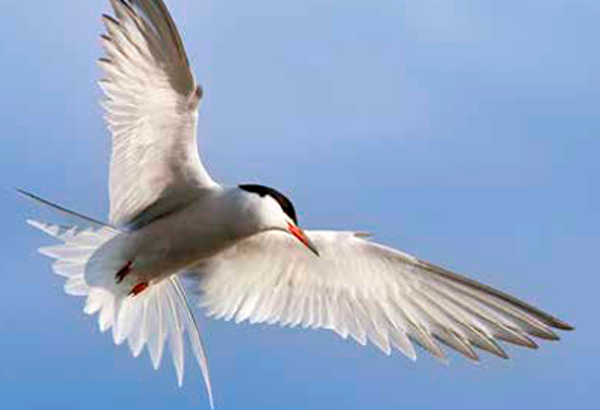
[
  {"x": 151, "y": 110},
  {"x": 365, "y": 290}
]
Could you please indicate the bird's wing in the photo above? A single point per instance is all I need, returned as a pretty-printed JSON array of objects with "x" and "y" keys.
[
  {"x": 365, "y": 290},
  {"x": 151, "y": 108}
]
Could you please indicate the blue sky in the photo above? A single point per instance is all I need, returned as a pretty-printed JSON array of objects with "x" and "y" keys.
[{"x": 465, "y": 132}]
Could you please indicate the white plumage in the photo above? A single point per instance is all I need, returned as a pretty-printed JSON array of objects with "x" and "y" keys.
[
  {"x": 364, "y": 290},
  {"x": 240, "y": 248},
  {"x": 151, "y": 110},
  {"x": 157, "y": 316}
]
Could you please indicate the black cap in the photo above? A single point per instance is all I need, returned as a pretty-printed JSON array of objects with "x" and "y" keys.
[{"x": 282, "y": 200}]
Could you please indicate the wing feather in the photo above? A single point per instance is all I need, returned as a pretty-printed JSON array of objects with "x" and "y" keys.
[
  {"x": 367, "y": 291},
  {"x": 151, "y": 110}
]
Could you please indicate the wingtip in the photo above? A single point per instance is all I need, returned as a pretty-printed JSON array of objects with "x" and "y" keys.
[
  {"x": 503, "y": 356},
  {"x": 559, "y": 324},
  {"x": 108, "y": 19}
]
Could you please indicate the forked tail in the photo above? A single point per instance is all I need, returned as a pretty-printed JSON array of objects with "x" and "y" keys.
[{"x": 89, "y": 256}]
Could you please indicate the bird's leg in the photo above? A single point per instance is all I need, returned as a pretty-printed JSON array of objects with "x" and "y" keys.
[
  {"x": 123, "y": 272},
  {"x": 139, "y": 288}
]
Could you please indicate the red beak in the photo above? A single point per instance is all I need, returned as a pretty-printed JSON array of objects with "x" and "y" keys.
[{"x": 301, "y": 236}]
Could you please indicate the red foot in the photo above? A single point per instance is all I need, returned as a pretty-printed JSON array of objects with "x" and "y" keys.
[
  {"x": 139, "y": 288},
  {"x": 123, "y": 272}
]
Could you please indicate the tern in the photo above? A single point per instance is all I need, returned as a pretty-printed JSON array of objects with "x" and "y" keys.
[{"x": 175, "y": 236}]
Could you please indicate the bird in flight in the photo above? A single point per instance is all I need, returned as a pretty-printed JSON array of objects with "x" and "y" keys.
[{"x": 176, "y": 237}]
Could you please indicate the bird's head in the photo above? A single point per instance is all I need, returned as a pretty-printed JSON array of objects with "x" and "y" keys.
[{"x": 274, "y": 211}]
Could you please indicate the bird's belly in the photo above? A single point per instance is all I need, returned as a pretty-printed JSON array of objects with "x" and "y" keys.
[{"x": 172, "y": 244}]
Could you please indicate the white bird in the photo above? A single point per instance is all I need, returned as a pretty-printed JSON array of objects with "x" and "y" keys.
[{"x": 240, "y": 249}]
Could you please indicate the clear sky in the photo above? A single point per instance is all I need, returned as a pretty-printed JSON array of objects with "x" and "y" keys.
[{"x": 465, "y": 132}]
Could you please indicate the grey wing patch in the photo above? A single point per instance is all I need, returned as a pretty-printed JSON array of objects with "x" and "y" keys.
[{"x": 166, "y": 205}]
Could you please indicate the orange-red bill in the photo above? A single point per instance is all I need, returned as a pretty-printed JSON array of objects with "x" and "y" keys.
[{"x": 301, "y": 236}]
